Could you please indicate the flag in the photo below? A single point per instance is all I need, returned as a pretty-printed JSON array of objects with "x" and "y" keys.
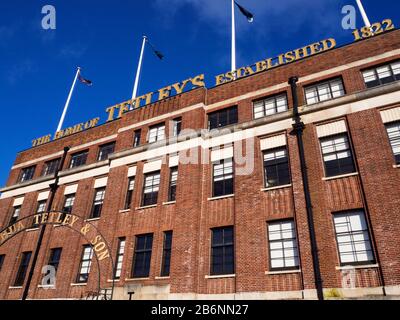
[
  {"x": 85, "y": 81},
  {"x": 156, "y": 52},
  {"x": 246, "y": 13}
]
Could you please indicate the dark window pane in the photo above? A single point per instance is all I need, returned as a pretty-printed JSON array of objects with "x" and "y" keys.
[
  {"x": 2, "y": 258},
  {"x": 222, "y": 251},
  {"x": 23, "y": 268},
  {"x": 50, "y": 167},
  {"x": 223, "y": 118},
  {"x": 137, "y": 138},
  {"x": 105, "y": 151},
  {"x": 142, "y": 257},
  {"x": 27, "y": 174},
  {"x": 78, "y": 159}
]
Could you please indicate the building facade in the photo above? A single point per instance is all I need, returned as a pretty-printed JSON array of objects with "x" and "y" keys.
[{"x": 201, "y": 195}]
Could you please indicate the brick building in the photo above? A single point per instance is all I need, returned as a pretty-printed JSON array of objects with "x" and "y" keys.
[{"x": 185, "y": 219}]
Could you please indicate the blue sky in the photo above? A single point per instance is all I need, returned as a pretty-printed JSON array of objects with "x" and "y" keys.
[{"x": 104, "y": 37}]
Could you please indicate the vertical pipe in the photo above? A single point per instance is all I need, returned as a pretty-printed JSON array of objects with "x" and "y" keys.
[
  {"x": 53, "y": 190},
  {"x": 298, "y": 128}
]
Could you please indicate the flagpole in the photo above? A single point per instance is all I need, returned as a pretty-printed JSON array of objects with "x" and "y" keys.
[
  {"x": 60, "y": 124},
  {"x": 139, "y": 69},
  {"x": 363, "y": 13},
  {"x": 233, "y": 64}
]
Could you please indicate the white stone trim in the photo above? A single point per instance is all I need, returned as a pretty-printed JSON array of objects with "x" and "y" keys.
[
  {"x": 152, "y": 166},
  {"x": 132, "y": 171},
  {"x": 18, "y": 202},
  {"x": 70, "y": 189},
  {"x": 96, "y": 172},
  {"x": 390, "y": 115},
  {"x": 331, "y": 129},
  {"x": 173, "y": 161},
  {"x": 276, "y": 188},
  {"x": 222, "y": 154},
  {"x": 101, "y": 182},
  {"x": 341, "y": 176},
  {"x": 222, "y": 197},
  {"x": 43, "y": 196},
  {"x": 271, "y": 273},
  {"x": 24, "y": 190},
  {"x": 273, "y": 142},
  {"x": 224, "y": 276},
  {"x": 367, "y": 266}
]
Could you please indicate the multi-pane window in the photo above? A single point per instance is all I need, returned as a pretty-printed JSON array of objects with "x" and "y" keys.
[
  {"x": 173, "y": 180},
  {"x": 283, "y": 250},
  {"x": 166, "y": 259},
  {"x": 41, "y": 207},
  {"x": 223, "y": 178},
  {"x": 50, "y": 167},
  {"x": 142, "y": 258},
  {"x": 337, "y": 154},
  {"x": 86, "y": 263},
  {"x": 79, "y": 159},
  {"x": 68, "y": 203},
  {"x": 382, "y": 75},
  {"x": 353, "y": 238},
  {"x": 129, "y": 193},
  {"x": 176, "y": 126},
  {"x": 98, "y": 203},
  {"x": 151, "y": 188},
  {"x": 55, "y": 257},
  {"x": 157, "y": 133},
  {"x": 2, "y": 257},
  {"x": 23, "y": 268},
  {"x": 105, "y": 151},
  {"x": 270, "y": 106},
  {"x": 276, "y": 167},
  {"x": 393, "y": 130},
  {"x": 136, "y": 138},
  {"x": 325, "y": 91},
  {"x": 120, "y": 258},
  {"x": 27, "y": 174},
  {"x": 15, "y": 215},
  {"x": 222, "y": 251},
  {"x": 223, "y": 118}
]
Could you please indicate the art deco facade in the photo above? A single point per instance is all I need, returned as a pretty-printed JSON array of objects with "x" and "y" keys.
[{"x": 182, "y": 226}]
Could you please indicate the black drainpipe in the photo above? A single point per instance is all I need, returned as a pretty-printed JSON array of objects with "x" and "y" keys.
[
  {"x": 53, "y": 189},
  {"x": 298, "y": 128}
]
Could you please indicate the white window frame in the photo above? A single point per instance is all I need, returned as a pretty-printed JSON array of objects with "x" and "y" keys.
[
  {"x": 270, "y": 106},
  {"x": 324, "y": 91}
]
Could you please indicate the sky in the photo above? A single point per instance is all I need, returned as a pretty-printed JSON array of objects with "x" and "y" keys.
[{"x": 104, "y": 38}]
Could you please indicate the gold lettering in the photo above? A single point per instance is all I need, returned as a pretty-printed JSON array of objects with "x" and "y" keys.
[
  {"x": 67, "y": 219},
  {"x": 270, "y": 64},
  {"x": 149, "y": 97},
  {"x": 110, "y": 112},
  {"x": 179, "y": 88},
  {"x": 301, "y": 53},
  {"x": 37, "y": 218},
  {"x": 198, "y": 81},
  {"x": 124, "y": 107},
  {"x": 164, "y": 93},
  {"x": 328, "y": 44},
  {"x": 261, "y": 66},
  {"x": 315, "y": 48},
  {"x": 220, "y": 79},
  {"x": 45, "y": 216},
  {"x": 289, "y": 56},
  {"x": 74, "y": 220},
  {"x": 230, "y": 76},
  {"x": 280, "y": 59}
]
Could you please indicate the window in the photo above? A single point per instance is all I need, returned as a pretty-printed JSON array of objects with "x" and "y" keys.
[
  {"x": 55, "y": 257},
  {"x": 120, "y": 258},
  {"x": 337, "y": 155},
  {"x": 98, "y": 203},
  {"x": 136, "y": 138},
  {"x": 166, "y": 259},
  {"x": 86, "y": 263},
  {"x": 223, "y": 178},
  {"x": 27, "y": 174},
  {"x": 151, "y": 188},
  {"x": 177, "y": 127},
  {"x": 41, "y": 207},
  {"x": 79, "y": 159},
  {"x": 276, "y": 168},
  {"x": 382, "y": 75},
  {"x": 105, "y": 151},
  {"x": 283, "y": 251},
  {"x": 2, "y": 258},
  {"x": 222, "y": 251},
  {"x": 325, "y": 91},
  {"x": 353, "y": 239},
  {"x": 173, "y": 180},
  {"x": 50, "y": 167},
  {"x": 157, "y": 133},
  {"x": 129, "y": 193},
  {"x": 142, "y": 258},
  {"x": 270, "y": 106},
  {"x": 393, "y": 130},
  {"x": 68, "y": 203},
  {"x": 223, "y": 118},
  {"x": 23, "y": 268},
  {"x": 15, "y": 215}
]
